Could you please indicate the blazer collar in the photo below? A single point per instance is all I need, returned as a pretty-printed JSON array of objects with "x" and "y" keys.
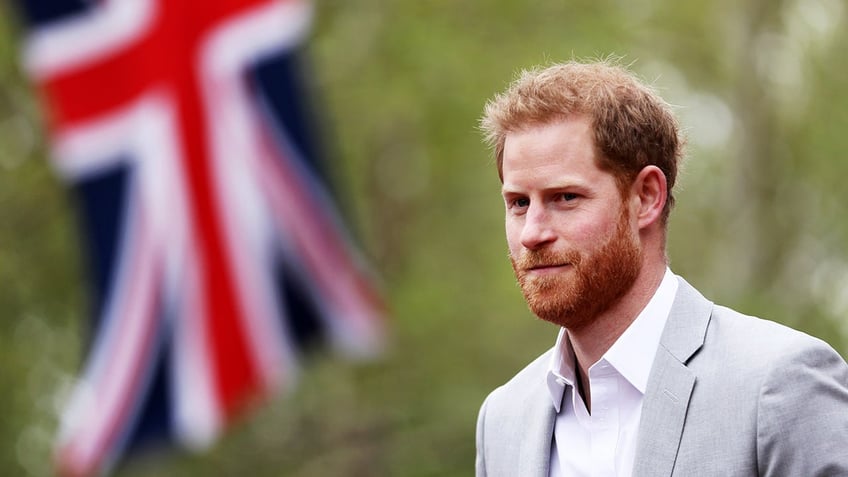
[
  {"x": 687, "y": 322},
  {"x": 535, "y": 432},
  {"x": 670, "y": 383}
]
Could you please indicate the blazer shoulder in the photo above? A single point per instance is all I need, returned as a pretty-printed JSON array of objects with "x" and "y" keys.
[
  {"x": 764, "y": 338},
  {"x": 747, "y": 352},
  {"x": 802, "y": 398},
  {"x": 515, "y": 422}
]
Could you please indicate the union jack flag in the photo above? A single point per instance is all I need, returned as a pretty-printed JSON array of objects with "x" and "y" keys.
[{"x": 216, "y": 251}]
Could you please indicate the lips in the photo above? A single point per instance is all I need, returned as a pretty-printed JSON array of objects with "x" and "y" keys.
[
  {"x": 544, "y": 261},
  {"x": 548, "y": 265},
  {"x": 551, "y": 267}
]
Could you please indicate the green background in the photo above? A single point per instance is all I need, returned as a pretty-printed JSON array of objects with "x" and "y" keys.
[{"x": 760, "y": 223}]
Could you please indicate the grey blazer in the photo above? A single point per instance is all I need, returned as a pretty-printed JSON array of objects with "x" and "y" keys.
[{"x": 728, "y": 395}]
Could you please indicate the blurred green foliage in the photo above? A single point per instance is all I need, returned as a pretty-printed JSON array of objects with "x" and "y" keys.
[{"x": 760, "y": 223}]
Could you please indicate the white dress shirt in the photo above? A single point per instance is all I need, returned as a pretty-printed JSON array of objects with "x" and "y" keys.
[{"x": 604, "y": 443}]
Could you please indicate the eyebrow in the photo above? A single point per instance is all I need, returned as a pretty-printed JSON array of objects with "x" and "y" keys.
[{"x": 578, "y": 185}]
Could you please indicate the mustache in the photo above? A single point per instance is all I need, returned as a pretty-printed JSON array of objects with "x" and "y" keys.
[{"x": 530, "y": 259}]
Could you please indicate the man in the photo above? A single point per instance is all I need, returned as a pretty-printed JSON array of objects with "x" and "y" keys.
[{"x": 647, "y": 377}]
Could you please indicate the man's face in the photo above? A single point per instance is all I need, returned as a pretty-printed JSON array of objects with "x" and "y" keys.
[{"x": 573, "y": 246}]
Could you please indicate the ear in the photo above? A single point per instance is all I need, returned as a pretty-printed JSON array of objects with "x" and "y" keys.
[{"x": 649, "y": 193}]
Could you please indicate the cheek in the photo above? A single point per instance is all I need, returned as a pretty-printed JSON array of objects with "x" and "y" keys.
[
  {"x": 513, "y": 237},
  {"x": 589, "y": 234}
]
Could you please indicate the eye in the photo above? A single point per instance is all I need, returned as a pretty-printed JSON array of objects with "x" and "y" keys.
[
  {"x": 567, "y": 196},
  {"x": 517, "y": 204}
]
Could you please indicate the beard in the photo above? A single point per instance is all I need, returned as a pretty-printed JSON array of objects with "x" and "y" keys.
[{"x": 590, "y": 285}]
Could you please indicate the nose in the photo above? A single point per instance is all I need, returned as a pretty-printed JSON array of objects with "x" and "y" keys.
[{"x": 537, "y": 231}]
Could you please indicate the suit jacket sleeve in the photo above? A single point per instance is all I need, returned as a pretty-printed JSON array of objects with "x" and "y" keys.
[
  {"x": 802, "y": 416},
  {"x": 480, "y": 463}
]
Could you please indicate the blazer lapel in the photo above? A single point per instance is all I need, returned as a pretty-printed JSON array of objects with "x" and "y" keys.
[
  {"x": 670, "y": 383},
  {"x": 535, "y": 433}
]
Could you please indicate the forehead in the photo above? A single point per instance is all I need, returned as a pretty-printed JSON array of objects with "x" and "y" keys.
[{"x": 558, "y": 150}]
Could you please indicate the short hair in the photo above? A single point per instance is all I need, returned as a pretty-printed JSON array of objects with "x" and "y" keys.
[{"x": 633, "y": 126}]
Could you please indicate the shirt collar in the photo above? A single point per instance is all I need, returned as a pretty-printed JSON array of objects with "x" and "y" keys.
[
  {"x": 632, "y": 354},
  {"x": 561, "y": 369}
]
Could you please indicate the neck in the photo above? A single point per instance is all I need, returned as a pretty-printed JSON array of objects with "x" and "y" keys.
[{"x": 591, "y": 341}]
